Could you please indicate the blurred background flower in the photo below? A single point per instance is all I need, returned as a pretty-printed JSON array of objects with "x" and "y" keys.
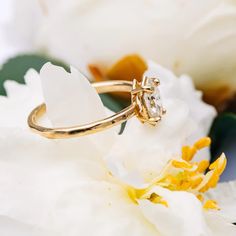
[{"x": 197, "y": 38}]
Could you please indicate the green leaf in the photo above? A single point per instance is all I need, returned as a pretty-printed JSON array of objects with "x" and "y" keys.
[
  {"x": 223, "y": 134},
  {"x": 112, "y": 103},
  {"x": 115, "y": 105},
  {"x": 15, "y": 68},
  {"x": 223, "y": 130}
]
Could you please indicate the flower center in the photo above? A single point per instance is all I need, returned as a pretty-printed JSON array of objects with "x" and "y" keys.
[{"x": 185, "y": 175}]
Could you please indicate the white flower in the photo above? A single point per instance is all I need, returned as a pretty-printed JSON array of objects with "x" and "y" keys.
[
  {"x": 185, "y": 36},
  {"x": 21, "y": 26},
  {"x": 63, "y": 187},
  {"x": 187, "y": 120},
  {"x": 5, "y": 46}
]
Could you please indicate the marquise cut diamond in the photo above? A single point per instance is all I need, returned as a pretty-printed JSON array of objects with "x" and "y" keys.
[{"x": 152, "y": 100}]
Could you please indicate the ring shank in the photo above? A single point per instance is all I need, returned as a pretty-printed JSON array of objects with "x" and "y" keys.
[
  {"x": 94, "y": 127},
  {"x": 113, "y": 86}
]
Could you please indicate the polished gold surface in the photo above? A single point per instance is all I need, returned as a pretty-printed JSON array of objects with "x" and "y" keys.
[{"x": 134, "y": 88}]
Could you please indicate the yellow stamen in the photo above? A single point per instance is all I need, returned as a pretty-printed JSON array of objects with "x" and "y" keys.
[
  {"x": 132, "y": 194},
  {"x": 184, "y": 175},
  {"x": 219, "y": 164},
  {"x": 202, "y": 166},
  {"x": 196, "y": 182},
  {"x": 202, "y": 143},
  {"x": 188, "y": 153},
  {"x": 214, "y": 180},
  {"x": 155, "y": 198},
  {"x": 181, "y": 164},
  {"x": 213, "y": 176},
  {"x": 211, "y": 205},
  {"x": 200, "y": 197}
]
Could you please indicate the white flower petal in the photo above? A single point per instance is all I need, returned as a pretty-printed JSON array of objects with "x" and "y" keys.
[
  {"x": 182, "y": 88},
  {"x": 69, "y": 97},
  {"x": 61, "y": 186},
  {"x": 101, "y": 209},
  {"x": 20, "y": 100},
  {"x": 35, "y": 171},
  {"x": 219, "y": 225},
  {"x": 225, "y": 195},
  {"x": 22, "y": 25},
  {"x": 10, "y": 227},
  {"x": 184, "y": 215}
]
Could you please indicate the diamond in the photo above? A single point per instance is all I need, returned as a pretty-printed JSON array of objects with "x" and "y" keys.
[
  {"x": 146, "y": 96},
  {"x": 152, "y": 100}
]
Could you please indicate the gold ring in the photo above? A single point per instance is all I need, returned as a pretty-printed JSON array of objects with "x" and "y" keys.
[{"x": 145, "y": 104}]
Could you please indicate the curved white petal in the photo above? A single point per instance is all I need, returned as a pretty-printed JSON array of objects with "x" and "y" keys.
[
  {"x": 225, "y": 195},
  {"x": 184, "y": 215},
  {"x": 219, "y": 225},
  {"x": 20, "y": 101},
  {"x": 182, "y": 88},
  {"x": 70, "y": 98}
]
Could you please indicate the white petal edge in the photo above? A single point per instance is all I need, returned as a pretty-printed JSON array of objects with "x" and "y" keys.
[{"x": 225, "y": 195}]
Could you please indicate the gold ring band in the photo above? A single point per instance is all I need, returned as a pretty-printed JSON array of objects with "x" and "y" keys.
[{"x": 138, "y": 92}]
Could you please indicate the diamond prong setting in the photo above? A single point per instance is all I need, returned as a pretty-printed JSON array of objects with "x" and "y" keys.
[
  {"x": 156, "y": 81},
  {"x": 146, "y": 96}
]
